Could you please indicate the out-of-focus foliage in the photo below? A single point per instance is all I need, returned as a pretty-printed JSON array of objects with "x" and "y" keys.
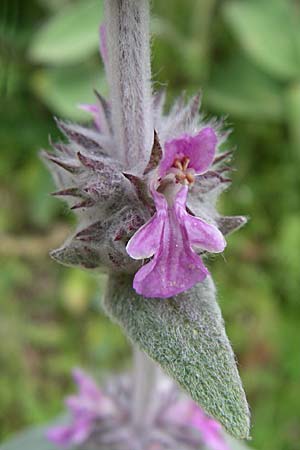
[
  {"x": 68, "y": 36},
  {"x": 34, "y": 439},
  {"x": 246, "y": 57}
]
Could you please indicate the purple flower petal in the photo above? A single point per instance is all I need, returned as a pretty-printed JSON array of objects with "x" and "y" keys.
[
  {"x": 187, "y": 413},
  {"x": 86, "y": 408},
  {"x": 156, "y": 279},
  {"x": 200, "y": 233},
  {"x": 146, "y": 241},
  {"x": 81, "y": 406},
  {"x": 60, "y": 435},
  {"x": 170, "y": 152},
  {"x": 210, "y": 429},
  {"x": 175, "y": 267},
  {"x": 89, "y": 402},
  {"x": 203, "y": 235},
  {"x": 94, "y": 110},
  {"x": 68, "y": 435},
  {"x": 169, "y": 236},
  {"x": 87, "y": 386},
  {"x": 200, "y": 149}
]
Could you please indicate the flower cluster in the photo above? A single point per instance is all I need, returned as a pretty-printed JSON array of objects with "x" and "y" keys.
[
  {"x": 157, "y": 224},
  {"x": 87, "y": 407},
  {"x": 104, "y": 418}
]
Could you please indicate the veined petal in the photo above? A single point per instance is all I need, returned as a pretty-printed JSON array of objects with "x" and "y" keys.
[
  {"x": 204, "y": 235},
  {"x": 200, "y": 149},
  {"x": 146, "y": 241},
  {"x": 180, "y": 199},
  {"x": 170, "y": 151},
  {"x": 200, "y": 233},
  {"x": 174, "y": 268}
]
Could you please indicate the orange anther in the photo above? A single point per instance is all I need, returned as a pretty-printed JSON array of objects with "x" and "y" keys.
[{"x": 177, "y": 163}]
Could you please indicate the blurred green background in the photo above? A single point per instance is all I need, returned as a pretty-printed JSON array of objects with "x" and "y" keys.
[{"x": 245, "y": 55}]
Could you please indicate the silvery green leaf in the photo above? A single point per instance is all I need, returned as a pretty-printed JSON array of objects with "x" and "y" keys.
[{"x": 186, "y": 336}]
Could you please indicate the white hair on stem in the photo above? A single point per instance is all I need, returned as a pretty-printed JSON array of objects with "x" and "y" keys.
[{"x": 129, "y": 77}]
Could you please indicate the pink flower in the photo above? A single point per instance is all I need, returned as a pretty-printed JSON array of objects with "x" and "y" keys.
[
  {"x": 187, "y": 413},
  {"x": 95, "y": 415},
  {"x": 88, "y": 405},
  {"x": 196, "y": 152},
  {"x": 210, "y": 429},
  {"x": 93, "y": 109},
  {"x": 74, "y": 434},
  {"x": 172, "y": 236}
]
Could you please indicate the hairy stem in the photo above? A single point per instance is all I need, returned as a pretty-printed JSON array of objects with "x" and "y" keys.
[
  {"x": 129, "y": 76},
  {"x": 144, "y": 379}
]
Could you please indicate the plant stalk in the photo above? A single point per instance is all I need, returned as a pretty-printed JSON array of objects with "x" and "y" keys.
[
  {"x": 145, "y": 374},
  {"x": 129, "y": 77}
]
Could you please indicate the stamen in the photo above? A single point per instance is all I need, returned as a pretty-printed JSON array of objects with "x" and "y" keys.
[
  {"x": 185, "y": 162},
  {"x": 178, "y": 164},
  {"x": 182, "y": 173}
]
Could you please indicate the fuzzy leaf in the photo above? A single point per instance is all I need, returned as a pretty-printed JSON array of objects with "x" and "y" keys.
[
  {"x": 70, "y": 35},
  {"x": 186, "y": 336}
]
